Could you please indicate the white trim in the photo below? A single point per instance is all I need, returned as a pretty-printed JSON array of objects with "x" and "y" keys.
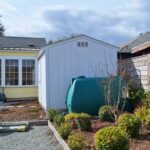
[
  {"x": 19, "y": 50},
  {"x": 3, "y": 72},
  {"x": 20, "y": 72},
  {"x": 17, "y": 86},
  {"x": 3, "y": 58}
]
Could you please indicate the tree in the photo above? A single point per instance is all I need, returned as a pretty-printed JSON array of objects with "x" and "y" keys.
[
  {"x": 115, "y": 88},
  {"x": 2, "y": 29}
]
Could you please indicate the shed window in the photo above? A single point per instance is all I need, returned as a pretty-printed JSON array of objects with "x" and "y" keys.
[
  {"x": 86, "y": 44},
  {"x": 78, "y": 44},
  {"x": 0, "y": 72},
  {"x": 11, "y": 72},
  {"x": 82, "y": 44},
  {"x": 28, "y": 72}
]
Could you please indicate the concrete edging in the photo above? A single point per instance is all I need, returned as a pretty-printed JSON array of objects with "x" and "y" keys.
[
  {"x": 58, "y": 137},
  {"x": 38, "y": 123}
]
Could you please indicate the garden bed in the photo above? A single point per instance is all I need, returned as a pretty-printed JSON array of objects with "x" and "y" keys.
[
  {"x": 24, "y": 110},
  {"x": 141, "y": 142}
]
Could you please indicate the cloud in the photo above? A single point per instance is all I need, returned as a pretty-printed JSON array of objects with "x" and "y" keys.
[
  {"x": 126, "y": 22},
  {"x": 55, "y": 21}
]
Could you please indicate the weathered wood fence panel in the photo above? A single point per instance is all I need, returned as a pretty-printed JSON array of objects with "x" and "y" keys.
[{"x": 138, "y": 68}]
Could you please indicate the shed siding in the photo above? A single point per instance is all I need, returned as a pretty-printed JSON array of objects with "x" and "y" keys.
[{"x": 67, "y": 61}]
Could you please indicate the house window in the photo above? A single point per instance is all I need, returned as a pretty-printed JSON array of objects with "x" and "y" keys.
[
  {"x": 11, "y": 72},
  {"x": 28, "y": 72},
  {"x": 0, "y": 72}
]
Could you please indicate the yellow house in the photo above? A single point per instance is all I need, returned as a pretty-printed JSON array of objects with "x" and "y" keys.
[{"x": 18, "y": 66}]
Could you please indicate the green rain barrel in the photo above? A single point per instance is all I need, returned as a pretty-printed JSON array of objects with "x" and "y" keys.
[{"x": 86, "y": 95}]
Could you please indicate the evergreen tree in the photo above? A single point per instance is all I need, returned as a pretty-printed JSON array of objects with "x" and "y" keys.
[{"x": 2, "y": 29}]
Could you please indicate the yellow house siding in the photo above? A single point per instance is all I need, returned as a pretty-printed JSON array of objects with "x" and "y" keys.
[
  {"x": 19, "y": 53},
  {"x": 21, "y": 92}
]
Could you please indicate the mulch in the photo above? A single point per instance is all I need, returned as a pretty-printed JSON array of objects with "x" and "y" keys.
[
  {"x": 142, "y": 142},
  {"x": 23, "y": 111}
]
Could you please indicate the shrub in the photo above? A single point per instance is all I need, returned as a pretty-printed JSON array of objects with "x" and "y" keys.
[
  {"x": 76, "y": 141},
  {"x": 105, "y": 114},
  {"x": 130, "y": 123},
  {"x": 70, "y": 116},
  {"x": 136, "y": 94},
  {"x": 64, "y": 130},
  {"x": 58, "y": 119},
  {"x": 111, "y": 138},
  {"x": 143, "y": 114},
  {"x": 52, "y": 113},
  {"x": 146, "y": 100},
  {"x": 83, "y": 121}
]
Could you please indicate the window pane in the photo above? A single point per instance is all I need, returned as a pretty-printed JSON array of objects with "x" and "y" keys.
[
  {"x": 11, "y": 72},
  {"x": 28, "y": 72}
]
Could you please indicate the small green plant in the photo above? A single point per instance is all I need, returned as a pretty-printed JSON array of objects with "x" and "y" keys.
[
  {"x": 52, "y": 113},
  {"x": 70, "y": 116},
  {"x": 146, "y": 100},
  {"x": 143, "y": 113},
  {"x": 65, "y": 130},
  {"x": 58, "y": 120},
  {"x": 105, "y": 114},
  {"x": 76, "y": 141},
  {"x": 33, "y": 110},
  {"x": 129, "y": 123},
  {"x": 136, "y": 94},
  {"x": 83, "y": 121},
  {"x": 111, "y": 138}
]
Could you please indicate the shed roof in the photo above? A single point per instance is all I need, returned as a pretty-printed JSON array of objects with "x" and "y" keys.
[
  {"x": 72, "y": 37},
  {"x": 142, "y": 38},
  {"x": 13, "y": 43}
]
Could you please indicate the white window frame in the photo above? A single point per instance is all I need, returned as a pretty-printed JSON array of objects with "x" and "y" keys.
[
  {"x": 9, "y": 70},
  {"x": 3, "y": 58},
  {"x": 34, "y": 69}
]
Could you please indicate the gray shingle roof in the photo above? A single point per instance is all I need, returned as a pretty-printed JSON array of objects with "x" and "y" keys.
[
  {"x": 8, "y": 42},
  {"x": 142, "y": 38}
]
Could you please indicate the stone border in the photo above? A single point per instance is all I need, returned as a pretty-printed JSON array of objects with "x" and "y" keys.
[
  {"x": 38, "y": 123},
  {"x": 58, "y": 137},
  {"x": 30, "y": 123}
]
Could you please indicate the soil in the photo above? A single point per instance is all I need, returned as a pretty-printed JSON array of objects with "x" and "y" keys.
[
  {"x": 142, "y": 142},
  {"x": 23, "y": 111}
]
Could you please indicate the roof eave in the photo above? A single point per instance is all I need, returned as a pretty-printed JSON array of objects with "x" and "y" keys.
[{"x": 141, "y": 47}]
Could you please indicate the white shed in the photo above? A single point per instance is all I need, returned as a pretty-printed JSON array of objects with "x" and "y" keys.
[{"x": 61, "y": 61}]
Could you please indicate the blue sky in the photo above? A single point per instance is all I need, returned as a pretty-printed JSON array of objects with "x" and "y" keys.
[{"x": 113, "y": 21}]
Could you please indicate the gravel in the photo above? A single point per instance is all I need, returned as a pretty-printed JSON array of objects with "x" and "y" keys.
[{"x": 36, "y": 138}]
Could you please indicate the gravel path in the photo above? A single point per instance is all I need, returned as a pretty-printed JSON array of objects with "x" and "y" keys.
[{"x": 37, "y": 138}]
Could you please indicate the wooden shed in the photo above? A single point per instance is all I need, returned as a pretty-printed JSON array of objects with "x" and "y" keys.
[
  {"x": 135, "y": 59},
  {"x": 60, "y": 62}
]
